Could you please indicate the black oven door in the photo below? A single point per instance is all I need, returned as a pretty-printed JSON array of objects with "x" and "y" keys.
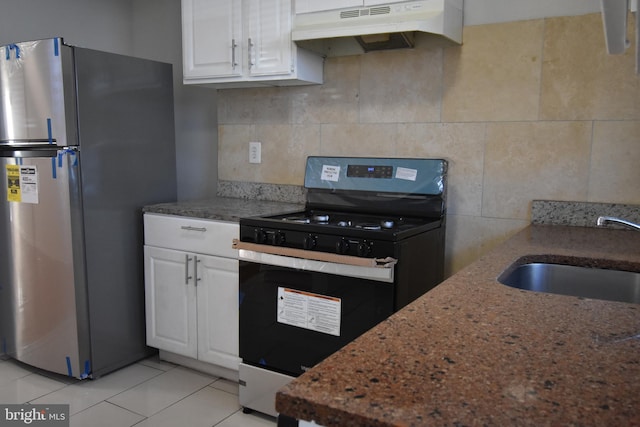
[{"x": 292, "y": 317}]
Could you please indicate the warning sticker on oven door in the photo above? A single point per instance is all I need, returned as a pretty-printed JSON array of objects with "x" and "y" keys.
[{"x": 306, "y": 310}]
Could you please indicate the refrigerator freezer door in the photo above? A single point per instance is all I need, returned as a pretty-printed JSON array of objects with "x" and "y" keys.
[
  {"x": 39, "y": 267},
  {"x": 33, "y": 104}
]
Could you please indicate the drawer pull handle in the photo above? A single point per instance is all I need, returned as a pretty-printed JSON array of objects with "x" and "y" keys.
[{"x": 190, "y": 228}]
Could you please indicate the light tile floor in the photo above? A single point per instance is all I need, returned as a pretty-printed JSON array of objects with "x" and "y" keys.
[{"x": 150, "y": 393}]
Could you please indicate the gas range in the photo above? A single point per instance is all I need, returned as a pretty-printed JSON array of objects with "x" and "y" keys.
[
  {"x": 356, "y": 234},
  {"x": 369, "y": 241},
  {"x": 358, "y": 206}
]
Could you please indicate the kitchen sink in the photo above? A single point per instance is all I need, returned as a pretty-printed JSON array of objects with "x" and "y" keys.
[{"x": 586, "y": 282}]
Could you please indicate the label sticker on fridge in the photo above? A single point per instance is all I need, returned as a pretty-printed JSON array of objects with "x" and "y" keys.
[
  {"x": 306, "y": 310},
  {"x": 22, "y": 183},
  {"x": 13, "y": 183},
  {"x": 330, "y": 173}
]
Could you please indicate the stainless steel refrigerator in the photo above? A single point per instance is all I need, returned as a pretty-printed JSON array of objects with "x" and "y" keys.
[{"x": 86, "y": 140}]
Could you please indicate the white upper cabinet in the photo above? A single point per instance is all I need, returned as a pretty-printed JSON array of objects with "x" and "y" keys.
[
  {"x": 308, "y": 6},
  {"x": 269, "y": 37},
  {"x": 244, "y": 43},
  {"x": 212, "y": 38},
  {"x": 368, "y": 3}
]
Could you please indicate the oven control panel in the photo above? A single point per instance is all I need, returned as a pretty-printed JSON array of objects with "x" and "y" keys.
[
  {"x": 369, "y": 171},
  {"x": 377, "y": 175}
]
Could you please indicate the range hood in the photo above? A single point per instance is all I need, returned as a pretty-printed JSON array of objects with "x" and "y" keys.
[{"x": 383, "y": 26}]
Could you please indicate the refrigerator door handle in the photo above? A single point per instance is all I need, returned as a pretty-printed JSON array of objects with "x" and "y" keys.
[
  {"x": 9, "y": 150},
  {"x": 187, "y": 258}
]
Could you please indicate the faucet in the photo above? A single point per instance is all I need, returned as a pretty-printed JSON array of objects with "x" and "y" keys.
[{"x": 603, "y": 220}]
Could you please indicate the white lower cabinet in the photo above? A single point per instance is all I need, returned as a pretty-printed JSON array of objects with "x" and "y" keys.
[
  {"x": 171, "y": 308},
  {"x": 192, "y": 297},
  {"x": 218, "y": 311}
]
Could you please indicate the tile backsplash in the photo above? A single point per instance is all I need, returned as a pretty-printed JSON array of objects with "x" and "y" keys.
[{"x": 522, "y": 110}]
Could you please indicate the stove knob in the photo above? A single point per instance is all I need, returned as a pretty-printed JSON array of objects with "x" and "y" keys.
[
  {"x": 342, "y": 246},
  {"x": 310, "y": 242},
  {"x": 279, "y": 238},
  {"x": 260, "y": 236},
  {"x": 364, "y": 248}
]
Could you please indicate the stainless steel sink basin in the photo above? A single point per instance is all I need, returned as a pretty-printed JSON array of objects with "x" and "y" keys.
[{"x": 597, "y": 283}]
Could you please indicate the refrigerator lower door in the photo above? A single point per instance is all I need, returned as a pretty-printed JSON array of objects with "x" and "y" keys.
[{"x": 41, "y": 279}]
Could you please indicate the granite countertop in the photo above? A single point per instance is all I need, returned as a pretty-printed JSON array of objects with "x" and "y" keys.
[
  {"x": 475, "y": 352},
  {"x": 223, "y": 208}
]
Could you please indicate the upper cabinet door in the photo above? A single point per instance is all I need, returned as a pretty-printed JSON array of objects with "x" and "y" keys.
[
  {"x": 269, "y": 37},
  {"x": 368, "y": 3},
  {"x": 212, "y": 38},
  {"x": 307, "y": 6},
  {"x": 244, "y": 43}
]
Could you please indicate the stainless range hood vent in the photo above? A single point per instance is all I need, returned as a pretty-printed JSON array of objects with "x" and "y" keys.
[
  {"x": 390, "y": 26},
  {"x": 350, "y": 14},
  {"x": 384, "y": 10}
]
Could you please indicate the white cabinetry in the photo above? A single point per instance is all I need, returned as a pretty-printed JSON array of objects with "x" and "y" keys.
[
  {"x": 191, "y": 288},
  {"x": 308, "y": 6},
  {"x": 243, "y": 43},
  {"x": 170, "y": 301},
  {"x": 211, "y": 39}
]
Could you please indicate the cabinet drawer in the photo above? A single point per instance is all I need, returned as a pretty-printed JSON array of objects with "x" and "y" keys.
[{"x": 191, "y": 234}]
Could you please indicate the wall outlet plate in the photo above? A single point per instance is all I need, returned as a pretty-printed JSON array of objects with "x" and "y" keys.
[{"x": 255, "y": 152}]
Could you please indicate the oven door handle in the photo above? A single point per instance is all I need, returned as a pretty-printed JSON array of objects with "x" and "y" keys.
[
  {"x": 314, "y": 255},
  {"x": 380, "y": 274}
]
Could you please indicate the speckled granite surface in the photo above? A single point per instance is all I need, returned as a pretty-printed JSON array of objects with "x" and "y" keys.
[
  {"x": 475, "y": 352},
  {"x": 582, "y": 214},
  {"x": 262, "y": 191},
  {"x": 223, "y": 208}
]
